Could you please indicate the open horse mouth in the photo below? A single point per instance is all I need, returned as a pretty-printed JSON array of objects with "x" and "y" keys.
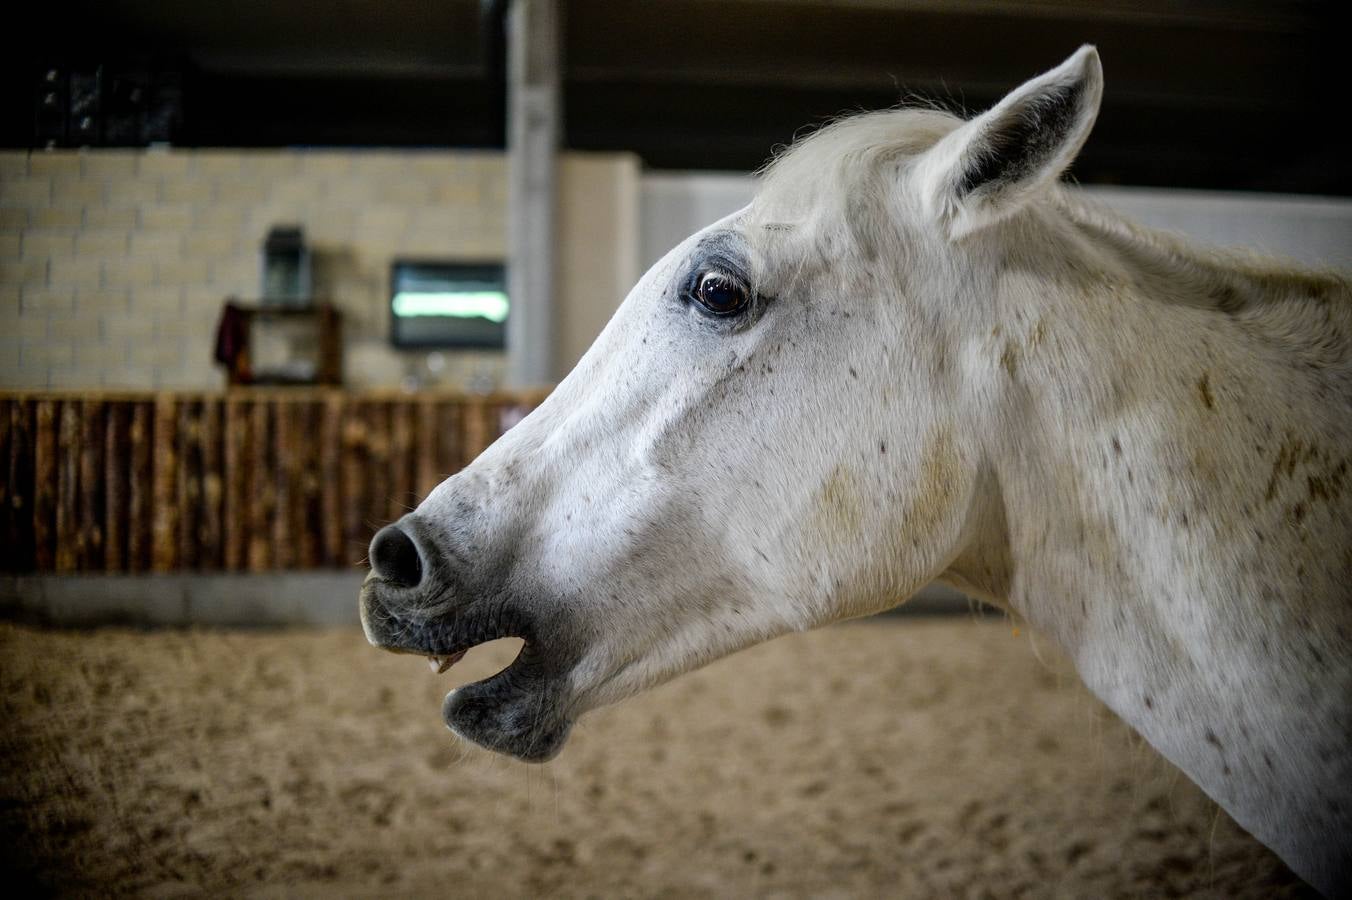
[{"x": 520, "y": 711}]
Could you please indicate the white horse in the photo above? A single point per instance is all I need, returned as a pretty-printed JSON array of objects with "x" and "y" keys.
[{"x": 915, "y": 356}]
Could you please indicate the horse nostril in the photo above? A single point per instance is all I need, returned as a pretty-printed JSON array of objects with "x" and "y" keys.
[{"x": 394, "y": 557}]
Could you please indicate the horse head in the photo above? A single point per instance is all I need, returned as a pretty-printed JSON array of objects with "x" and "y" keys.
[{"x": 781, "y": 427}]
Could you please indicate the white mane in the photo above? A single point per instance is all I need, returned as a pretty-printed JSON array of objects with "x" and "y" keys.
[
  {"x": 848, "y": 168},
  {"x": 839, "y": 184},
  {"x": 1308, "y": 312}
]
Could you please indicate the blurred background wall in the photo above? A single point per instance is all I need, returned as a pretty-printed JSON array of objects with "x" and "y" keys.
[{"x": 114, "y": 263}]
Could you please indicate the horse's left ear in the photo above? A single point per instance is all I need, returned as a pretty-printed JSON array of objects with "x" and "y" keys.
[{"x": 984, "y": 170}]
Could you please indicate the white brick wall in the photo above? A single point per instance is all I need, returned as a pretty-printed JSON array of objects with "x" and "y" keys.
[{"x": 114, "y": 264}]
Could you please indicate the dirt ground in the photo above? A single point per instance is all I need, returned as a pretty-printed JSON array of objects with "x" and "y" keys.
[{"x": 906, "y": 757}]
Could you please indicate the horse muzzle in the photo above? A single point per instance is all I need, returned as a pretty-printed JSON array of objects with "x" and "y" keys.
[{"x": 419, "y": 600}]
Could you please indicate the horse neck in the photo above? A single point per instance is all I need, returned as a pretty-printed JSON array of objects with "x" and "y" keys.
[
  {"x": 1153, "y": 400},
  {"x": 1170, "y": 500},
  {"x": 1301, "y": 313}
]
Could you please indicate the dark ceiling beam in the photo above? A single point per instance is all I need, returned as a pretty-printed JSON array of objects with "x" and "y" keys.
[
  {"x": 969, "y": 94},
  {"x": 868, "y": 46},
  {"x": 1238, "y": 15},
  {"x": 445, "y": 30},
  {"x": 1207, "y": 93},
  {"x": 237, "y": 111}
]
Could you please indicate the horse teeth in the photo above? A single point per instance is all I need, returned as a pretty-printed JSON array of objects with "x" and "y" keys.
[{"x": 439, "y": 664}]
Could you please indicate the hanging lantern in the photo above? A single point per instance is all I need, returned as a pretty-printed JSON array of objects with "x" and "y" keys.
[{"x": 286, "y": 267}]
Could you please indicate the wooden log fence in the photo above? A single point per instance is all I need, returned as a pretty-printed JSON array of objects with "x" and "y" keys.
[{"x": 254, "y": 479}]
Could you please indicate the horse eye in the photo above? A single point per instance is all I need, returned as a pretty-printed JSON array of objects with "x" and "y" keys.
[{"x": 719, "y": 294}]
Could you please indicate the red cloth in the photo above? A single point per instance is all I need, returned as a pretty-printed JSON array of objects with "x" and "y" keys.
[{"x": 232, "y": 335}]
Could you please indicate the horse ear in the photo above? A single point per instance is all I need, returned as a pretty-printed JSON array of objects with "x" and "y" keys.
[{"x": 985, "y": 169}]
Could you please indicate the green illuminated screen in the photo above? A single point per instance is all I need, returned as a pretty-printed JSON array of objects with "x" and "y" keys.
[{"x": 438, "y": 304}]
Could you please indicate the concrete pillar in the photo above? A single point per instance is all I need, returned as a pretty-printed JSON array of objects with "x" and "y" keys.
[{"x": 534, "y": 122}]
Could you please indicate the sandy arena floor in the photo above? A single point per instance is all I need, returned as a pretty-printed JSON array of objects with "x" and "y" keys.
[{"x": 902, "y": 758}]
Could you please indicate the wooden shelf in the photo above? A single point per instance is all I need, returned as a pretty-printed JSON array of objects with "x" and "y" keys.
[{"x": 234, "y": 336}]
